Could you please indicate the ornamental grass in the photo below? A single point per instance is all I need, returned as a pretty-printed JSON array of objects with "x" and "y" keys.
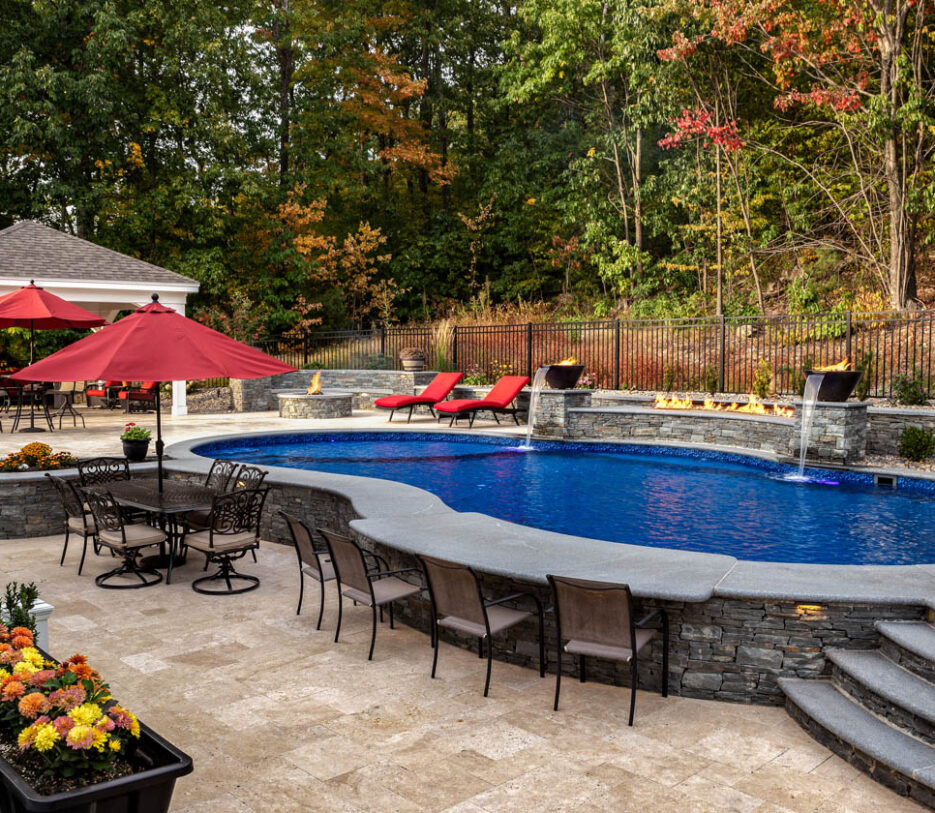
[{"x": 59, "y": 725}]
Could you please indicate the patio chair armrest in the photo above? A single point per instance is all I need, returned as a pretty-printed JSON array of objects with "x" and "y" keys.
[
  {"x": 514, "y": 597},
  {"x": 651, "y": 616},
  {"x": 384, "y": 573},
  {"x": 376, "y": 557}
]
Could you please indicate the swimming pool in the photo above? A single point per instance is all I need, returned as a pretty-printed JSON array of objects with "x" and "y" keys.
[{"x": 672, "y": 498}]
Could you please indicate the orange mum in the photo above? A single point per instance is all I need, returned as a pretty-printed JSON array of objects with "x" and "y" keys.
[
  {"x": 33, "y": 704},
  {"x": 21, "y": 641},
  {"x": 12, "y": 690}
]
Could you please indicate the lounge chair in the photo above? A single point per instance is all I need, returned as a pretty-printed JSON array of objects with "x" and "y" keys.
[
  {"x": 144, "y": 395},
  {"x": 458, "y": 603},
  {"x": 596, "y": 619},
  {"x": 438, "y": 390},
  {"x": 497, "y": 401}
]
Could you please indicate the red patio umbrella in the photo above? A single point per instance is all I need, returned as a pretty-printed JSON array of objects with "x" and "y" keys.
[
  {"x": 37, "y": 309},
  {"x": 154, "y": 343}
]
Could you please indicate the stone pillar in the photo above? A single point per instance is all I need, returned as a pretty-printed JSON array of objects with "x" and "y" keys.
[
  {"x": 250, "y": 395},
  {"x": 838, "y": 433},
  {"x": 551, "y": 418}
]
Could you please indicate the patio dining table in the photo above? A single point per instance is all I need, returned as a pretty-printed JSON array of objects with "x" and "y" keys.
[{"x": 170, "y": 504}]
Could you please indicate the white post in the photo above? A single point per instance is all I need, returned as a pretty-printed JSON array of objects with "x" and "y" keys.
[
  {"x": 41, "y": 611},
  {"x": 179, "y": 401}
]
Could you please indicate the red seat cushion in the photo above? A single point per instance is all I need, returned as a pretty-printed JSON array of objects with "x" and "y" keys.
[
  {"x": 95, "y": 393},
  {"x": 462, "y": 404},
  {"x": 398, "y": 401}
]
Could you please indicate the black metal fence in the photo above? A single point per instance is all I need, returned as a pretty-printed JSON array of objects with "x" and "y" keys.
[{"x": 648, "y": 354}]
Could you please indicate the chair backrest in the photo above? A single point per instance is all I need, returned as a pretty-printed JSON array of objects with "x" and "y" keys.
[
  {"x": 348, "y": 560},
  {"x": 71, "y": 502},
  {"x": 220, "y": 474},
  {"x": 148, "y": 386},
  {"x": 248, "y": 477},
  {"x": 506, "y": 389},
  {"x": 99, "y": 470},
  {"x": 237, "y": 511},
  {"x": 105, "y": 510},
  {"x": 302, "y": 537},
  {"x": 601, "y": 612},
  {"x": 454, "y": 589},
  {"x": 441, "y": 385}
]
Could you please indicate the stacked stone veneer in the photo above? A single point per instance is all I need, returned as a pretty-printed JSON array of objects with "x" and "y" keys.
[
  {"x": 838, "y": 433},
  {"x": 323, "y": 405},
  {"x": 885, "y": 425}
]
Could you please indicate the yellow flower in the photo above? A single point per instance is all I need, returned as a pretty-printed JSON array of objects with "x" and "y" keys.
[
  {"x": 86, "y": 714},
  {"x": 531, "y": 202},
  {"x": 33, "y": 656},
  {"x": 114, "y": 745},
  {"x": 46, "y": 737},
  {"x": 24, "y": 669}
]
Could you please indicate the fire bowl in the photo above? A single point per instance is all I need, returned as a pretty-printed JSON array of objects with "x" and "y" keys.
[
  {"x": 837, "y": 385},
  {"x": 563, "y": 376}
]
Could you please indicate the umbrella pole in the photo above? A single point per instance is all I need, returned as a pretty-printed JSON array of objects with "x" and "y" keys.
[{"x": 159, "y": 444}]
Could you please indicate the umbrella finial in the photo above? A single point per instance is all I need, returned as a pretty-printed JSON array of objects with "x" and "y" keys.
[{"x": 155, "y": 297}]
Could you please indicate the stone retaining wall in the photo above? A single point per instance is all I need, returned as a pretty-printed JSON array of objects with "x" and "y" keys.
[
  {"x": 838, "y": 433},
  {"x": 886, "y": 425},
  {"x": 762, "y": 433}
]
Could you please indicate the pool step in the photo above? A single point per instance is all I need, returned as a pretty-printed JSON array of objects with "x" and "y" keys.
[
  {"x": 911, "y": 644},
  {"x": 889, "y": 755},
  {"x": 886, "y": 689}
]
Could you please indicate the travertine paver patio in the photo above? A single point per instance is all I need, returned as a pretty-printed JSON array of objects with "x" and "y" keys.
[{"x": 279, "y": 718}]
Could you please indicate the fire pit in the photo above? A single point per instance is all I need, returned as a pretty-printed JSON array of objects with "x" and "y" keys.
[
  {"x": 564, "y": 375},
  {"x": 838, "y": 382},
  {"x": 315, "y": 403}
]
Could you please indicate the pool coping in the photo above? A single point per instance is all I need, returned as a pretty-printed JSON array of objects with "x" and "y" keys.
[{"x": 415, "y": 521}]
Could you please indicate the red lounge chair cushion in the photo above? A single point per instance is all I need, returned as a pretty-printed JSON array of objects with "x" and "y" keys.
[
  {"x": 462, "y": 404},
  {"x": 500, "y": 397},
  {"x": 136, "y": 395},
  {"x": 441, "y": 385}
]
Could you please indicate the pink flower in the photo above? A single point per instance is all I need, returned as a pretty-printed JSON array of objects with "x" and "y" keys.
[{"x": 63, "y": 724}]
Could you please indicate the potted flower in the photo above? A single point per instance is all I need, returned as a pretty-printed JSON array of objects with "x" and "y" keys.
[
  {"x": 65, "y": 743},
  {"x": 135, "y": 442},
  {"x": 413, "y": 358}
]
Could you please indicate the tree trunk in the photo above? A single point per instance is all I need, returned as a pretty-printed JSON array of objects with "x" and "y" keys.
[{"x": 285, "y": 57}]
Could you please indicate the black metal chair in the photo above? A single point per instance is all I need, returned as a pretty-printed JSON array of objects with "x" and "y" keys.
[
  {"x": 78, "y": 518},
  {"x": 126, "y": 539},
  {"x": 248, "y": 477},
  {"x": 313, "y": 561},
  {"x": 597, "y": 619},
  {"x": 220, "y": 475},
  {"x": 366, "y": 583},
  {"x": 458, "y": 603},
  {"x": 102, "y": 470},
  {"x": 233, "y": 529}
]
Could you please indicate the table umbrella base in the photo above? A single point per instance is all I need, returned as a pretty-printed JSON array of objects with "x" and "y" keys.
[
  {"x": 160, "y": 561},
  {"x": 33, "y": 429}
]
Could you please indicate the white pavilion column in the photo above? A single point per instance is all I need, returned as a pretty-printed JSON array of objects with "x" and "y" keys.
[{"x": 179, "y": 398}]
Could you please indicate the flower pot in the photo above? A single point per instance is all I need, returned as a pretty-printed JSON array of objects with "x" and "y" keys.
[
  {"x": 149, "y": 789},
  {"x": 413, "y": 365},
  {"x": 837, "y": 385},
  {"x": 135, "y": 450}
]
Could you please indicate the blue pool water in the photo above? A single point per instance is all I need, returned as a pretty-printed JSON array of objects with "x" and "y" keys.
[{"x": 692, "y": 500}]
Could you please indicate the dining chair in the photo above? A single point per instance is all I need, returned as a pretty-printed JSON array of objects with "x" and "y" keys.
[
  {"x": 124, "y": 538},
  {"x": 314, "y": 561},
  {"x": 102, "y": 470},
  {"x": 458, "y": 604},
  {"x": 597, "y": 619},
  {"x": 233, "y": 529},
  {"x": 78, "y": 518},
  {"x": 366, "y": 583},
  {"x": 218, "y": 480},
  {"x": 248, "y": 477}
]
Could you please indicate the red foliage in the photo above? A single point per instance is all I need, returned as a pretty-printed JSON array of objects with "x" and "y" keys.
[{"x": 699, "y": 122}]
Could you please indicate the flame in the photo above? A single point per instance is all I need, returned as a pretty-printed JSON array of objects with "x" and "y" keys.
[
  {"x": 569, "y": 360},
  {"x": 314, "y": 386},
  {"x": 844, "y": 364},
  {"x": 753, "y": 406}
]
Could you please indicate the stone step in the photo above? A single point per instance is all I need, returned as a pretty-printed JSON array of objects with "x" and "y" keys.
[
  {"x": 890, "y": 756},
  {"x": 886, "y": 689},
  {"x": 911, "y": 644}
]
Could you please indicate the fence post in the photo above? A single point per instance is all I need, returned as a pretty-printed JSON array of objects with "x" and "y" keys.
[
  {"x": 529, "y": 349},
  {"x": 847, "y": 338},
  {"x": 722, "y": 352},
  {"x": 454, "y": 347},
  {"x": 616, "y": 354},
  {"x": 382, "y": 340},
  {"x": 305, "y": 351}
]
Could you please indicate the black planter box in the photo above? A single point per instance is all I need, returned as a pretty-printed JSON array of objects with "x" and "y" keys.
[
  {"x": 135, "y": 450},
  {"x": 147, "y": 791},
  {"x": 563, "y": 376},
  {"x": 837, "y": 385}
]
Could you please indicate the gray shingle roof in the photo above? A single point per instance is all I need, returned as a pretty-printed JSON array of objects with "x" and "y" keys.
[{"x": 30, "y": 250}]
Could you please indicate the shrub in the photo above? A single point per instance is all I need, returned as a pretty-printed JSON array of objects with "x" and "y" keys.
[
  {"x": 668, "y": 378},
  {"x": 916, "y": 443},
  {"x": 710, "y": 379},
  {"x": 762, "y": 379},
  {"x": 909, "y": 390},
  {"x": 17, "y": 605},
  {"x": 862, "y": 390}
]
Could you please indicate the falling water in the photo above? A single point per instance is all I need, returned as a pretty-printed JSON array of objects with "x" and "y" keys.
[
  {"x": 537, "y": 382},
  {"x": 809, "y": 399}
]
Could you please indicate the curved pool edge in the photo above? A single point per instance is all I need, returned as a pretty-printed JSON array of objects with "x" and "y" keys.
[{"x": 415, "y": 521}]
